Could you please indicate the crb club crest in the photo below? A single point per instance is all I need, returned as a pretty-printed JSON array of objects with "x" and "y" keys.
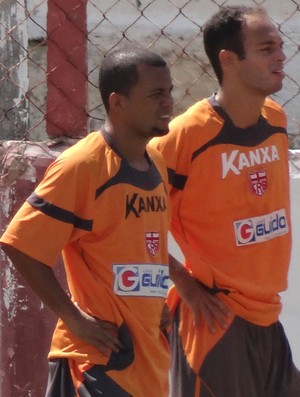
[
  {"x": 152, "y": 242},
  {"x": 259, "y": 182}
]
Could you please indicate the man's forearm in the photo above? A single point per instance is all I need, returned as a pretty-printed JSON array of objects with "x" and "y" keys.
[{"x": 41, "y": 279}]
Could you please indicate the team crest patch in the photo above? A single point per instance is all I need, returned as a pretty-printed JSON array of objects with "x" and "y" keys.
[
  {"x": 152, "y": 242},
  {"x": 259, "y": 182}
]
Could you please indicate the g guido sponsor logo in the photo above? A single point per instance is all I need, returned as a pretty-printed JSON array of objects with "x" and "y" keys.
[
  {"x": 141, "y": 280},
  {"x": 261, "y": 228}
]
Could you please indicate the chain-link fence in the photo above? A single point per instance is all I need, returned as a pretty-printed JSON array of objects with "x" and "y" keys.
[{"x": 172, "y": 28}]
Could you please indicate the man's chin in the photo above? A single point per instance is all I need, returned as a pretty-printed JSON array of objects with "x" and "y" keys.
[{"x": 157, "y": 132}]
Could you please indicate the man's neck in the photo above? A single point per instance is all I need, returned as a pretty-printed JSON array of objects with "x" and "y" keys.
[
  {"x": 244, "y": 111},
  {"x": 132, "y": 150}
]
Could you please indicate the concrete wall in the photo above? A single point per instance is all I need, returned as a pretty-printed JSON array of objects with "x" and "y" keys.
[{"x": 26, "y": 324}]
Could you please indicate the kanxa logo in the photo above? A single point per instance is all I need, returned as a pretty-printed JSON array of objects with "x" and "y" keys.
[
  {"x": 237, "y": 160},
  {"x": 136, "y": 204}
]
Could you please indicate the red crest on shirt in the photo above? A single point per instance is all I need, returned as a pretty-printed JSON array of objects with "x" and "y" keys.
[
  {"x": 152, "y": 242},
  {"x": 259, "y": 182}
]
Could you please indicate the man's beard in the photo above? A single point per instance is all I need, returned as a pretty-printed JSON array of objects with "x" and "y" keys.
[{"x": 157, "y": 132}]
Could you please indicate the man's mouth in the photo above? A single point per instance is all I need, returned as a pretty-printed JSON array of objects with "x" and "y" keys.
[
  {"x": 278, "y": 71},
  {"x": 166, "y": 116}
]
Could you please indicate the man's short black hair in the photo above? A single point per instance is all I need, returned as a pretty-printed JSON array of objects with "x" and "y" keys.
[
  {"x": 119, "y": 72},
  {"x": 224, "y": 31}
]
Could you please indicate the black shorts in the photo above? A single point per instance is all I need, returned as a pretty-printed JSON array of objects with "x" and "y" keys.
[
  {"x": 96, "y": 382},
  {"x": 248, "y": 361}
]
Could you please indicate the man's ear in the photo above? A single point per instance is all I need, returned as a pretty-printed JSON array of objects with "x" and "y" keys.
[
  {"x": 116, "y": 102},
  {"x": 227, "y": 59}
]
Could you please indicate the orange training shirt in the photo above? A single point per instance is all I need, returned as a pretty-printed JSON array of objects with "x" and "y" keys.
[
  {"x": 111, "y": 223},
  {"x": 231, "y": 205}
]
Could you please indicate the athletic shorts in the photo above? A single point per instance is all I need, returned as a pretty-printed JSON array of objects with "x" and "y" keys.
[
  {"x": 95, "y": 382},
  {"x": 248, "y": 361}
]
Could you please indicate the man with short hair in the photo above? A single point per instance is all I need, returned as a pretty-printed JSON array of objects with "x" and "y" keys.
[
  {"x": 104, "y": 203},
  {"x": 227, "y": 158}
]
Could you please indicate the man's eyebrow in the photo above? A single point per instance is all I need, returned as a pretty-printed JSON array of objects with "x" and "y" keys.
[
  {"x": 270, "y": 41},
  {"x": 161, "y": 89}
]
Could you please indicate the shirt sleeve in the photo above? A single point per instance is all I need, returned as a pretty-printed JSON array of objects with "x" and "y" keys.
[{"x": 55, "y": 214}]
